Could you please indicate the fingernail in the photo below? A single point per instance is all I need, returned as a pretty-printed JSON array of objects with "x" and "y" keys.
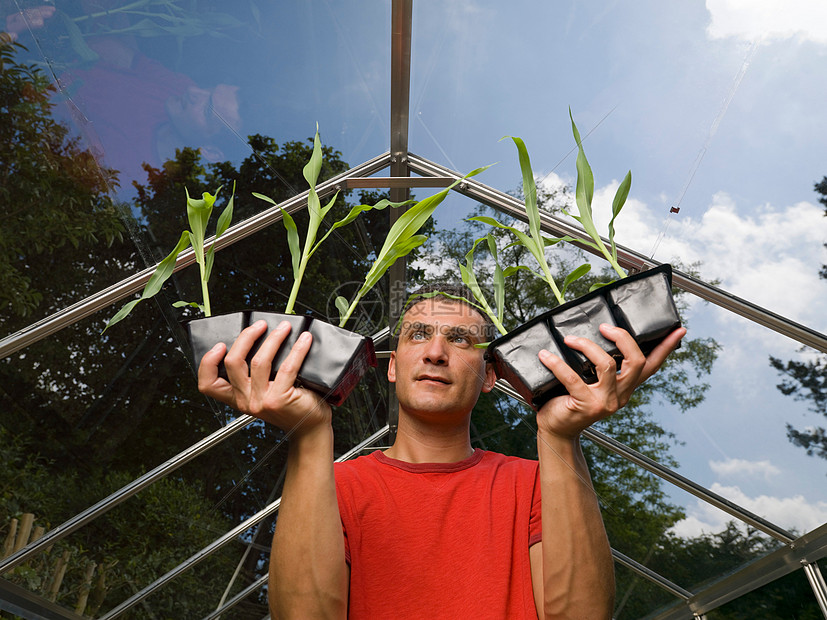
[
  {"x": 284, "y": 325},
  {"x": 259, "y": 323},
  {"x": 216, "y": 347},
  {"x": 305, "y": 336}
]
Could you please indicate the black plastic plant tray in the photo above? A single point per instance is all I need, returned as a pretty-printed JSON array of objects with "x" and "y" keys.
[
  {"x": 642, "y": 304},
  {"x": 337, "y": 360}
]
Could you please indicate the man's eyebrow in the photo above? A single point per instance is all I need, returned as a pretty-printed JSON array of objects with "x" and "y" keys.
[{"x": 417, "y": 326}]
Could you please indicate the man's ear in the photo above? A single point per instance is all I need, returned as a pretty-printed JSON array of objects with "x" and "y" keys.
[
  {"x": 490, "y": 378},
  {"x": 392, "y": 368}
]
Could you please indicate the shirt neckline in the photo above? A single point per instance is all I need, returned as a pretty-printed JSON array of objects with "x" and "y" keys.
[{"x": 430, "y": 468}]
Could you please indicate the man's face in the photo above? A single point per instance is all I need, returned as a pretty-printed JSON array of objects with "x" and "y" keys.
[{"x": 436, "y": 367}]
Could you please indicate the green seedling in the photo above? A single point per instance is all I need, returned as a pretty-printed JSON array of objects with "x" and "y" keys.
[
  {"x": 535, "y": 242},
  {"x": 469, "y": 278},
  {"x": 301, "y": 254},
  {"x": 402, "y": 239},
  {"x": 583, "y": 195},
  {"x": 198, "y": 215}
]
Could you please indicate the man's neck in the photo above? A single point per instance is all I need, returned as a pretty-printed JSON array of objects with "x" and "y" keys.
[{"x": 420, "y": 443}]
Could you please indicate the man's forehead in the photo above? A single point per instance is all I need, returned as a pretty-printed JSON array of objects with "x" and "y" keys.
[{"x": 442, "y": 312}]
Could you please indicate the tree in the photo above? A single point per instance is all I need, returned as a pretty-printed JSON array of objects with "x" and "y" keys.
[
  {"x": 807, "y": 381},
  {"x": 91, "y": 412},
  {"x": 53, "y": 191}
]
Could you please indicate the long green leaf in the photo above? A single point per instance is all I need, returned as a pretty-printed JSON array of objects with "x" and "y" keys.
[
  {"x": 585, "y": 179},
  {"x": 617, "y": 204},
  {"x": 292, "y": 240},
  {"x": 226, "y": 216},
  {"x": 161, "y": 274},
  {"x": 576, "y": 274},
  {"x": 529, "y": 188},
  {"x": 356, "y": 211}
]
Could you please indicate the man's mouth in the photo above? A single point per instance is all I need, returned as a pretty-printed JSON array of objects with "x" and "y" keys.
[{"x": 435, "y": 379}]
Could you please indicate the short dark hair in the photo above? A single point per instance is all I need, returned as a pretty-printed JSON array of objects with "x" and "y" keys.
[{"x": 458, "y": 293}]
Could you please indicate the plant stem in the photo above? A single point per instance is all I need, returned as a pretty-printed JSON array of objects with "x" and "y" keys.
[
  {"x": 552, "y": 283},
  {"x": 206, "y": 294},
  {"x": 350, "y": 310},
  {"x": 297, "y": 281}
]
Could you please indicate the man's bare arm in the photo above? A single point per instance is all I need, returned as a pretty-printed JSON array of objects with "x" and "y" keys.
[
  {"x": 308, "y": 574},
  {"x": 572, "y": 568}
]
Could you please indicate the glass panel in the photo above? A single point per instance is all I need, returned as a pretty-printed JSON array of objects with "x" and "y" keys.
[
  {"x": 210, "y": 87},
  {"x": 789, "y": 597}
]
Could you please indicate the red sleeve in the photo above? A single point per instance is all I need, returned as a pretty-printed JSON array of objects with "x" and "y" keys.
[{"x": 535, "y": 529}]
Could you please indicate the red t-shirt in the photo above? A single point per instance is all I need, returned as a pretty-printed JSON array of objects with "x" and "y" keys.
[{"x": 443, "y": 540}]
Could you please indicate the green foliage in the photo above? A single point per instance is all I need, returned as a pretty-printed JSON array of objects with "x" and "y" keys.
[
  {"x": 584, "y": 194},
  {"x": 53, "y": 195},
  {"x": 301, "y": 255},
  {"x": 807, "y": 381},
  {"x": 534, "y": 241},
  {"x": 198, "y": 214},
  {"x": 401, "y": 240},
  {"x": 469, "y": 278},
  {"x": 134, "y": 543}
]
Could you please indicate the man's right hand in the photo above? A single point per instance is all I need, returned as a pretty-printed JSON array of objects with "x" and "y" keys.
[{"x": 280, "y": 402}]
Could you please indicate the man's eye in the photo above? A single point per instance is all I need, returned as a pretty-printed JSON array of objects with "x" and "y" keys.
[{"x": 418, "y": 335}]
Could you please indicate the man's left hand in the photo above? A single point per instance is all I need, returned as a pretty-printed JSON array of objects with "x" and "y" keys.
[{"x": 568, "y": 415}]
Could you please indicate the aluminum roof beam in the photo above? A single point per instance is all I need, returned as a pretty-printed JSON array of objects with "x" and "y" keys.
[{"x": 804, "y": 552}]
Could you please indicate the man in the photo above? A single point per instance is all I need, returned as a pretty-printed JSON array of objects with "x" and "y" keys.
[{"x": 417, "y": 543}]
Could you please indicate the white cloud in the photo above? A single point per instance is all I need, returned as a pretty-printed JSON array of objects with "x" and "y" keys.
[
  {"x": 794, "y": 513},
  {"x": 761, "y": 256},
  {"x": 744, "y": 468},
  {"x": 756, "y": 20}
]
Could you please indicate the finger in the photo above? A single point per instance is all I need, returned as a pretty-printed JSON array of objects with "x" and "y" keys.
[
  {"x": 565, "y": 374},
  {"x": 209, "y": 383},
  {"x": 262, "y": 362},
  {"x": 604, "y": 363},
  {"x": 236, "y": 360},
  {"x": 633, "y": 359},
  {"x": 288, "y": 372}
]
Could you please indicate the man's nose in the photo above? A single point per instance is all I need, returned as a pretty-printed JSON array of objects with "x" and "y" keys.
[{"x": 436, "y": 351}]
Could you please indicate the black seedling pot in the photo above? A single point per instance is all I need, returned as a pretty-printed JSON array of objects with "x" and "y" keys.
[
  {"x": 337, "y": 359},
  {"x": 642, "y": 304},
  {"x": 582, "y": 318},
  {"x": 205, "y": 333},
  {"x": 515, "y": 359}
]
